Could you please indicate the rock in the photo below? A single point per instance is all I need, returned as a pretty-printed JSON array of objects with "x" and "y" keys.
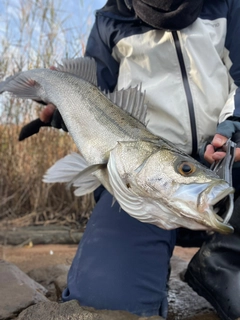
[
  {"x": 17, "y": 290},
  {"x": 48, "y": 274},
  {"x": 184, "y": 303},
  {"x": 60, "y": 284},
  {"x": 73, "y": 311},
  {"x": 53, "y": 278}
]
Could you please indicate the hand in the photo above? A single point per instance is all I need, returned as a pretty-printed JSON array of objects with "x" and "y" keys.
[
  {"x": 212, "y": 155},
  {"x": 50, "y": 114},
  {"x": 49, "y": 117},
  {"x": 47, "y": 113}
]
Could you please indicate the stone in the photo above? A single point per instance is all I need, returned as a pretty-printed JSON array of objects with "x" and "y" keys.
[
  {"x": 73, "y": 311},
  {"x": 53, "y": 278},
  {"x": 49, "y": 274},
  {"x": 17, "y": 290},
  {"x": 183, "y": 302}
]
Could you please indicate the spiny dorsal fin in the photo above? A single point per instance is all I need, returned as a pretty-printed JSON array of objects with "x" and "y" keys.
[
  {"x": 84, "y": 68},
  {"x": 131, "y": 100}
]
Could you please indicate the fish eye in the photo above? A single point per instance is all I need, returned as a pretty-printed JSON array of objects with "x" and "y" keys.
[{"x": 186, "y": 168}]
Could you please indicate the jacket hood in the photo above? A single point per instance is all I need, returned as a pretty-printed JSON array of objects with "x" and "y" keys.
[{"x": 160, "y": 14}]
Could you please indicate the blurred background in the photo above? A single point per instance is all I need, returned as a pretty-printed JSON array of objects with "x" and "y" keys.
[{"x": 35, "y": 34}]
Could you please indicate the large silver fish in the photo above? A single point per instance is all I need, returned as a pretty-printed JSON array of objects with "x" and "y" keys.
[{"x": 150, "y": 178}]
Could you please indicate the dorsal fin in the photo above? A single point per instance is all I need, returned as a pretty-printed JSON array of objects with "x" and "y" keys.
[
  {"x": 131, "y": 100},
  {"x": 84, "y": 68}
]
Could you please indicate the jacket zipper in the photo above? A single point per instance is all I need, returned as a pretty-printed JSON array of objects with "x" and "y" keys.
[{"x": 188, "y": 93}]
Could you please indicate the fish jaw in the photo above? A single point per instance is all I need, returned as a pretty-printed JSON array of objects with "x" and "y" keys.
[
  {"x": 202, "y": 211},
  {"x": 211, "y": 197}
]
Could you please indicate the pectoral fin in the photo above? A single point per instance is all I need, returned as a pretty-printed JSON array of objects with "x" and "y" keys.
[{"x": 74, "y": 170}]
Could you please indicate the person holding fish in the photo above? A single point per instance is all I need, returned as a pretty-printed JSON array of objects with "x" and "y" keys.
[{"x": 186, "y": 56}]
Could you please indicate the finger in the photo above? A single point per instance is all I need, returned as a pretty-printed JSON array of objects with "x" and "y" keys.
[
  {"x": 209, "y": 153},
  {"x": 219, "y": 155},
  {"x": 237, "y": 154},
  {"x": 53, "y": 68},
  {"x": 218, "y": 140},
  {"x": 47, "y": 113}
]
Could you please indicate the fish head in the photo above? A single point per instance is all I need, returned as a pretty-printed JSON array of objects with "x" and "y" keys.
[{"x": 170, "y": 179}]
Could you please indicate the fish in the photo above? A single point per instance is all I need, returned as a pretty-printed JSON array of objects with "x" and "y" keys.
[{"x": 150, "y": 178}]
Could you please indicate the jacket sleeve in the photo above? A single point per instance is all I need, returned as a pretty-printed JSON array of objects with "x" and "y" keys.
[
  {"x": 231, "y": 110},
  {"x": 99, "y": 48}
]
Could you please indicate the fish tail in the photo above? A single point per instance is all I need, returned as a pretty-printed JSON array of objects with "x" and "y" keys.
[{"x": 22, "y": 86}]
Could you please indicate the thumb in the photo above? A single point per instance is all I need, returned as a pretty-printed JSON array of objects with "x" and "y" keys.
[{"x": 218, "y": 140}]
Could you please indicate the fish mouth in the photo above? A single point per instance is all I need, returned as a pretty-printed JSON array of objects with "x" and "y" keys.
[
  {"x": 219, "y": 224},
  {"x": 220, "y": 207},
  {"x": 206, "y": 204}
]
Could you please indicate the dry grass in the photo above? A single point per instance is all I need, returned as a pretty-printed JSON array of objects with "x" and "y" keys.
[
  {"x": 34, "y": 34},
  {"x": 24, "y": 198}
]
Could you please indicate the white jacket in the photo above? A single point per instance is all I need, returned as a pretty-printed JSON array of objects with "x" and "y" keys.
[{"x": 190, "y": 76}]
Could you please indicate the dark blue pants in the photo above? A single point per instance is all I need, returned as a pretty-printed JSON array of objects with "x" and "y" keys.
[{"x": 121, "y": 263}]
